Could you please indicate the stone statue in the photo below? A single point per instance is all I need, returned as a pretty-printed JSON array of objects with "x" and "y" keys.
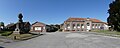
[{"x": 19, "y": 25}]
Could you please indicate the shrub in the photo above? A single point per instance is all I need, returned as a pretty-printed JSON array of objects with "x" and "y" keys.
[{"x": 60, "y": 29}]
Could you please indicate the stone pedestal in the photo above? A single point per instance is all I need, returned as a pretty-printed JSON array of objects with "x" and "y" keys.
[
  {"x": 16, "y": 32},
  {"x": 16, "y": 35},
  {"x": 19, "y": 27}
]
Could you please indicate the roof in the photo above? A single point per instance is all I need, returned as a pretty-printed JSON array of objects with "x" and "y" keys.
[
  {"x": 83, "y": 19},
  {"x": 26, "y": 23},
  {"x": 12, "y": 24},
  {"x": 38, "y": 22}
]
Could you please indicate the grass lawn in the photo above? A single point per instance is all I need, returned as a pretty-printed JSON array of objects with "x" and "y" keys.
[
  {"x": 9, "y": 34},
  {"x": 107, "y": 32},
  {"x": 19, "y": 36},
  {"x": 6, "y": 33}
]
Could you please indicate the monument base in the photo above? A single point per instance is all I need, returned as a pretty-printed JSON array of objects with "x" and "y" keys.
[
  {"x": 16, "y": 32},
  {"x": 16, "y": 35}
]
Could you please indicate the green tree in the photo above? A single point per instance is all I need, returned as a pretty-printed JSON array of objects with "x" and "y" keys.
[
  {"x": 1, "y": 23},
  {"x": 52, "y": 28},
  {"x": 114, "y": 15}
]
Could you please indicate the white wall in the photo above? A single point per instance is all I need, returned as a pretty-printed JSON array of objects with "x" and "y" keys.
[{"x": 106, "y": 27}]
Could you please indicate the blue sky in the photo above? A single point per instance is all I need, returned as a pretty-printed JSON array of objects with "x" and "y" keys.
[{"x": 52, "y": 11}]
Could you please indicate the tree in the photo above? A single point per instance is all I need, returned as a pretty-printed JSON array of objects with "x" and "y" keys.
[
  {"x": 52, "y": 28},
  {"x": 114, "y": 15},
  {"x": 1, "y": 23}
]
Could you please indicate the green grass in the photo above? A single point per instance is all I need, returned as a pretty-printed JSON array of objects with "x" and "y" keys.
[
  {"x": 6, "y": 33},
  {"x": 19, "y": 36},
  {"x": 9, "y": 34},
  {"x": 107, "y": 32},
  {"x": 25, "y": 35}
]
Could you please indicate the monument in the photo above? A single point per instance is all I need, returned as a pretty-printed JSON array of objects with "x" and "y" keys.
[{"x": 19, "y": 25}]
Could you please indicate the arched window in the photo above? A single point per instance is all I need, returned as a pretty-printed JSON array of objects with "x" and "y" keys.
[
  {"x": 68, "y": 25},
  {"x": 81, "y": 24},
  {"x": 74, "y": 26},
  {"x": 92, "y": 24},
  {"x": 96, "y": 25},
  {"x": 78, "y": 24},
  {"x": 88, "y": 24}
]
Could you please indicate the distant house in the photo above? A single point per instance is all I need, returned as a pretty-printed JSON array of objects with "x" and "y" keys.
[
  {"x": 12, "y": 26},
  {"x": 38, "y": 27},
  {"x": 83, "y": 24},
  {"x": 27, "y": 26}
]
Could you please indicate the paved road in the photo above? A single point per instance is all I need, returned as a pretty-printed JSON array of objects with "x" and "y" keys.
[{"x": 68, "y": 40}]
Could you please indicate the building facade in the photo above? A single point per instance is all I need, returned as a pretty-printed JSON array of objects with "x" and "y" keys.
[
  {"x": 38, "y": 27},
  {"x": 82, "y": 24}
]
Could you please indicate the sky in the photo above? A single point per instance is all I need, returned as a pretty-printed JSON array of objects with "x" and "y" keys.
[{"x": 52, "y": 11}]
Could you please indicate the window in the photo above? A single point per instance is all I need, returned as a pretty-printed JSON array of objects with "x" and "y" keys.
[
  {"x": 99, "y": 25},
  {"x": 92, "y": 24},
  {"x": 68, "y": 25},
  {"x": 96, "y": 25},
  {"x": 74, "y": 26},
  {"x": 81, "y": 24},
  {"x": 88, "y": 24},
  {"x": 78, "y": 24}
]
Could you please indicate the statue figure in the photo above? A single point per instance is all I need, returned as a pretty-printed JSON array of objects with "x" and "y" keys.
[{"x": 19, "y": 25}]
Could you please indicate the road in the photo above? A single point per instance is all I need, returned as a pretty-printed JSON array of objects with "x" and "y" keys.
[{"x": 68, "y": 40}]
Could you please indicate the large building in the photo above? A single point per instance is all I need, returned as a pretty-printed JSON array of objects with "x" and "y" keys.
[{"x": 83, "y": 24}]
